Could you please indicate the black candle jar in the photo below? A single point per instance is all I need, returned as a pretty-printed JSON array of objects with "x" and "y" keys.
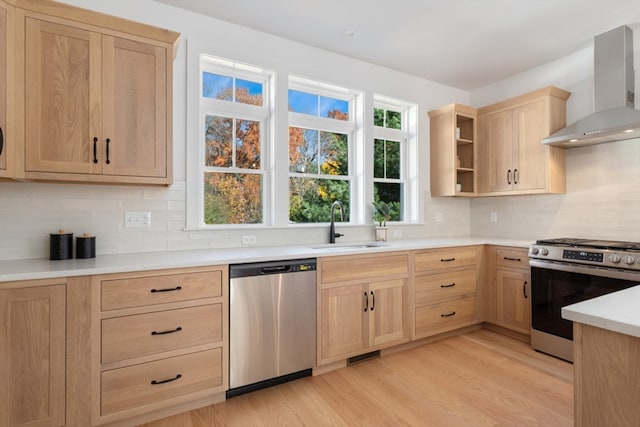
[
  {"x": 85, "y": 246},
  {"x": 60, "y": 245}
]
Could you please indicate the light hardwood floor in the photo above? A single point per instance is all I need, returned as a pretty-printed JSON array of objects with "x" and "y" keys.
[{"x": 480, "y": 378}]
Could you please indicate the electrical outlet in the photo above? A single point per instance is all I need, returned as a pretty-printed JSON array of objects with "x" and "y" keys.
[
  {"x": 396, "y": 233},
  {"x": 494, "y": 216},
  {"x": 439, "y": 217},
  {"x": 137, "y": 219},
  {"x": 248, "y": 240}
]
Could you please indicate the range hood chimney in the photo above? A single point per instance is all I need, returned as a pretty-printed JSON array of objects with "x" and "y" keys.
[{"x": 615, "y": 117}]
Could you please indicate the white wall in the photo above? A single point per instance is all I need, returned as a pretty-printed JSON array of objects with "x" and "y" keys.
[
  {"x": 603, "y": 181},
  {"x": 30, "y": 211}
]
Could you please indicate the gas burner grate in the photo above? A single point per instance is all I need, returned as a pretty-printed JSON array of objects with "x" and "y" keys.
[{"x": 591, "y": 243}]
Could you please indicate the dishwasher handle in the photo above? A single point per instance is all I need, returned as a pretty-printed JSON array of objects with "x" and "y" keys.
[{"x": 276, "y": 269}]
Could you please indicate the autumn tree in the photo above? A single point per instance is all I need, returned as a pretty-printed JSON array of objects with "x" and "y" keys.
[{"x": 233, "y": 198}]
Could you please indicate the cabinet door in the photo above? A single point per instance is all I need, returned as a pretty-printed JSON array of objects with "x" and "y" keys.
[
  {"x": 496, "y": 154},
  {"x": 32, "y": 356},
  {"x": 386, "y": 311},
  {"x": 343, "y": 320},
  {"x": 62, "y": 95},
  {"x": 134, "y": 101},
  {"x": 513, "y": 303},
  {"x": 3, "y": 87},
  {"x": 529, "y": 155}
]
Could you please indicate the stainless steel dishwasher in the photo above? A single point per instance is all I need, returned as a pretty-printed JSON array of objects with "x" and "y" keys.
[{"x": 272, "y": 323}]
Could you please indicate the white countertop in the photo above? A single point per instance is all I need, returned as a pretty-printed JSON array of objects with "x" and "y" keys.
[
  {"x": 31, "y": 269},
  {"x": 617, "y": 312}
]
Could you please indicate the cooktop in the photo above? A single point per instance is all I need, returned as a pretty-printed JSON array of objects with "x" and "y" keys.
[{"x": 590, "y": 243}]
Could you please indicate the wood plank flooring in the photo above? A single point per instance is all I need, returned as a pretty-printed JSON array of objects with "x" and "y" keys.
[{"x": 477, "y": 379}]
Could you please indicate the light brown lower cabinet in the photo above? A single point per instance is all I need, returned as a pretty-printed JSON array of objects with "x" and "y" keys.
[
  {"x": 161, "y": 343},
  {"x": 113, "y": 350},
  {"x": 446, "y": 295},
  {"x": 366, "y": 313},
  {"x": 32, "y": 354},
  {"x": 512, "y": 279}
]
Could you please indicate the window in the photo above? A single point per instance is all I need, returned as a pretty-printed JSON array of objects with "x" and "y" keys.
[
  {"x": 234, "y": 122},
  {"x": 321, "y": 132},
  {"x": 390, "y": 120}
]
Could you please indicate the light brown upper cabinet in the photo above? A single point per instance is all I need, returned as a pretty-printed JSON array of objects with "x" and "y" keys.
[
  {"x": 97, "y": 96},
  {"x": 7, "y": 43},
  {"x": 453, "y": 150},
  {"x": 511, "y": 158}
]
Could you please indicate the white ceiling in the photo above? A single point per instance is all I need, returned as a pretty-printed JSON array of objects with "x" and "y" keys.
[{"x": 461, "y": 43}]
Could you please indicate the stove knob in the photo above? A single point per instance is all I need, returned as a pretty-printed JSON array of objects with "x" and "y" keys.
[
  {"x": 544, "y": 251},
  {"x": 535, "y": 251},
  {"x": 614, "y": 258},
  {"x": 629, "y": 260}
]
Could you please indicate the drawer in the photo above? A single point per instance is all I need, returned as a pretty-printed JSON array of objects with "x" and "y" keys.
[
  {"x": 433, "y": 288},
  {"x": 343, "y": 269},
  {"x": 140, "y": 291},
  {"x": 512, "y": 257},
  {"x": 438, "y": 259},
  {"x": 142, "y": 334},
  {"x": 153, "y": 382},
  {"x": 446, "y": 316}
]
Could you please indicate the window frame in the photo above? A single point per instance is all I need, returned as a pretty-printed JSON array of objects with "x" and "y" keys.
[
  {"x": 407, "y": 137},
  {"x": 196, "y": 168},
  {"x": 325, "y": 124}
]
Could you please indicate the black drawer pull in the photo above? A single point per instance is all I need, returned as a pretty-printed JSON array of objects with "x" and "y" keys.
[
  {"x": 512, "y": 259},
  {"x": 447, "y": 259},
  {"x": 366, "y": 301},
  {"x": 1, "y": 141},
  {"x": 453, "y": 313},
  {"x": 155, "y": 382},
  {"x": 95, "y": 149},
  {"x": 373, "y": 301},
  {"x": 524, "y": 290},
  {"x": 108, "y": 142},
  {"x": 177, "y": 288},
  {"x": 451, "y": 285},
  {"x": 178, "y": 329}
]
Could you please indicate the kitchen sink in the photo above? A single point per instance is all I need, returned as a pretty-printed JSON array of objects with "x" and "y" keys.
[{"x": 347, "y": 246}]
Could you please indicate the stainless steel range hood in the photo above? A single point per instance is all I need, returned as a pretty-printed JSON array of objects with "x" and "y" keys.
[{"x": 615, "y": 117}]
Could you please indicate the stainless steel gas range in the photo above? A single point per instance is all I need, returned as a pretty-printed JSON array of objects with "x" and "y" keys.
[{"x": 566, "y": 271}]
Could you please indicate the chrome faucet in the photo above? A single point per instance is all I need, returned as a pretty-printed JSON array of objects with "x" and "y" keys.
[{"x": 332, "y": 227}]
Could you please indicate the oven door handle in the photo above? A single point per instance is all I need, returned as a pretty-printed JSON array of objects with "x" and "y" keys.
[{"x": 610, "y": 273}]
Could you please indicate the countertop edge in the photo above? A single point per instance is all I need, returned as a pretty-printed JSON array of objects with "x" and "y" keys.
[
  {"x": 34, "y": 269},
  {"x": 615, "y": 312}
]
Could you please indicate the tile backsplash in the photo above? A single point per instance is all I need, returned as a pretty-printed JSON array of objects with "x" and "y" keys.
[{"x": 602, "y": 200}]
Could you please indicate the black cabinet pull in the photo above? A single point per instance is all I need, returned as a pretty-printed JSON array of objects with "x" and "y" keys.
[
  {"x": 108, "y": 161},
  {"x": 366, "y": 301},
  {"x": 447, "y": 259},
  {"x": 178, "y": 329},
  {"x": 509, "y": 177},
  {"x": 155, "y": 382},
  {"x": 450, "y": 285},
  {"x": 373, "y": 300},
  {"x": 177, "y": 288},
  {"x": 1, "y": 140},
  {"x": 524, "y": 289},
  {"x": 515, "y": 176},
  {"x": 512, "y": 259},
  {"x": 453, "y": 313},
  {"x": 95, "y": 149}
]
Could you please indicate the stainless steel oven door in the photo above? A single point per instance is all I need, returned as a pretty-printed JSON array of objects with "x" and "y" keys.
[{"x": 557, "y": 284}]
